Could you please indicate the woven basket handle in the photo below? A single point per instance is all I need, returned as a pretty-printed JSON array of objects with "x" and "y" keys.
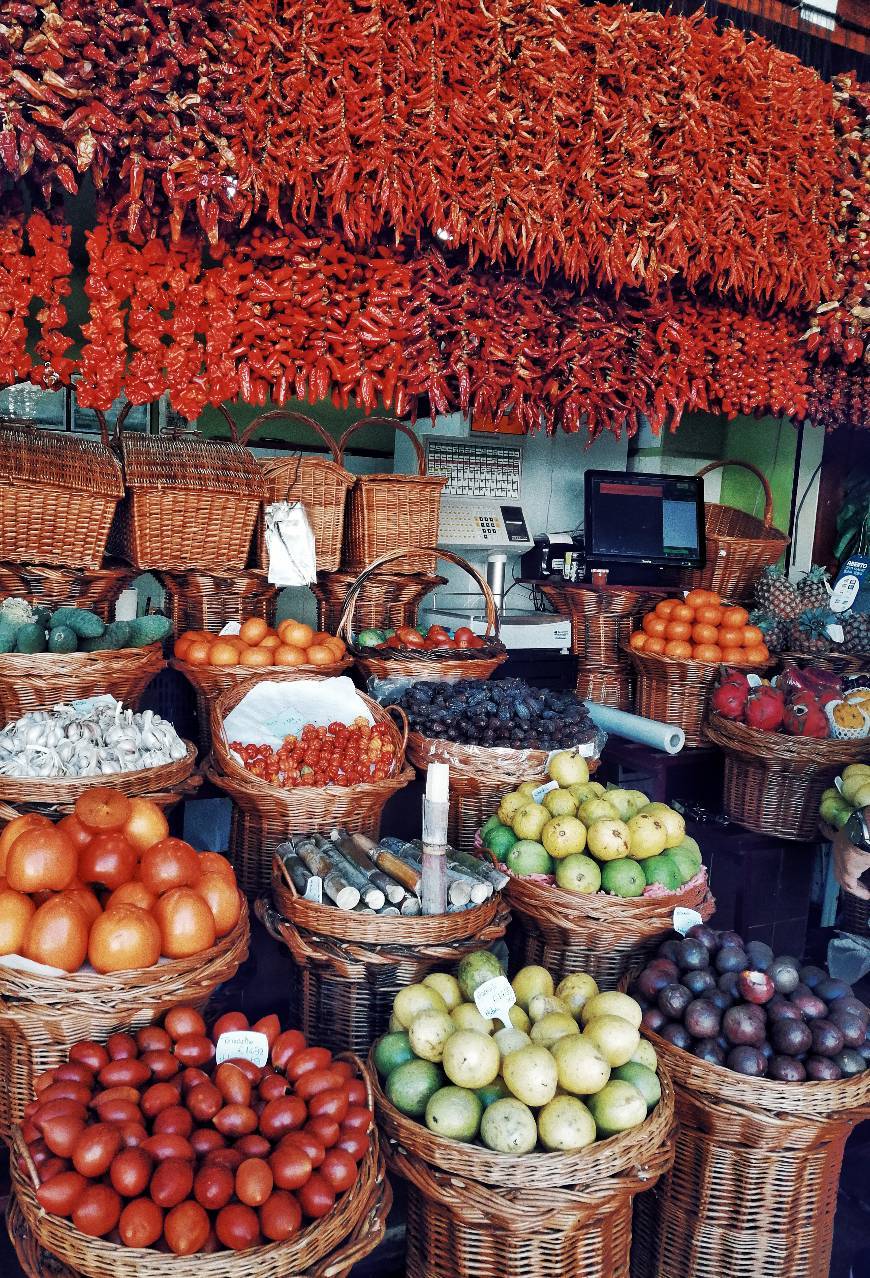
[
  {"x": 289, "y": 415},
  {"x": 363, "y": 1073},
  {"x": 344, "y": 628},
  {"x": 112, "y": 438},
  {"x": 342, "y": 1260},
  {"x": 759, "y": 475},
  {"x": 404, "y": 727},
  {"x": 384, "y": 421}
]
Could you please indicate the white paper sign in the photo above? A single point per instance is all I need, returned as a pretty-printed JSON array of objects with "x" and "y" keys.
[
  {"x": 835, "y": 632},
  {"x": 495, "y": 998},
  {"x": 242, "y": 1045},
  {"x": 685, "y": 918},
  {"x": 94, "y": 703},
  {"x": 314, "y": 890},
  {"x": 545, "y": 788},
  {"x": 231, "y": 628}
]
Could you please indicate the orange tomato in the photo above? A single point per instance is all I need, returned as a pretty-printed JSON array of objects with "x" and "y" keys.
[
  {"x": 29, "y": 821},
  {"x": 683, "y": 612},
  {"x": 704, "y": 634},
  {"x": 321, "y": 636},
  {"x": 733, "y": 656},
  {"x": 222, "y": 898},
  {"x": 270, "y": 643},
  {"x": 288, "y": 656},
  {"x": 655, "y": 644},
  {"x": 41, "y": 860},
  {"x": 169, "y": 864},
  {"x": 707, "y": 652},
  {"x": 734, "y": 617},
  {"x": 253, "y": 630},
  {"x": 752, "y": 637},
  {"x": 223, "y": 653},
  {"x": 124, "y": 938},
  {"x": 84, "y": 897},
  {"x": 757, "y": 654},
  {"x": 256, "y": 657},
  {"x": 214, "y": 863},
  {"x": 103, "y": 809},
  {"x": 730, "y": 637},
  {"x": 678, "y": 650},
  {"x": 655, "y": 626},
  {"x": 338, "y": 646},
  {"x": 146, "y": 824},
  {"x": 76, "y": 831},
  {"x": 132, "y": 893},
  {"x": 680, "y": 630},
  {"x": 665, "y": 607},
  {"x": 638, "y": 641},
  {"x": 58, "y": 935},
  {"x": 198, "y": 652},
  {"x": 709, "y": 615},
  {"x": 16, "y": 911},
  {"x": 295, "y": 634},
  {"x": 698, "y": 598},
  {"x": 186, "y": 923},
  {"x": 321, "y": 654},
  {"x": 180, "y": 648}
]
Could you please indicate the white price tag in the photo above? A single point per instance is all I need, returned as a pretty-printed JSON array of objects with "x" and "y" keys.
[
  {"x": 87, "y": 704},
  {"x": 835, "y": 632},
  {"x": 242, "y": 1045},
  {"x": 314, "y": 890},
  {"x": 231, "y": 628},
  {"x": 838, "y": 782},
  {"x": 685, "y": 918},
  {"x": 494, "y": 1000},
  {"x": 544, "y": 788},
  {"x": 844, "y": 593},
  {"x": 754, "y": 680}
]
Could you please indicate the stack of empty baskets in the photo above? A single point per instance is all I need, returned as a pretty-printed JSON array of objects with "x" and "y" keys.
[{"x": 602, "y": 618}]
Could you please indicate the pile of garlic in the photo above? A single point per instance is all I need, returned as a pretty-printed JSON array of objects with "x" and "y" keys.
[{"x": 87, "y": 741}]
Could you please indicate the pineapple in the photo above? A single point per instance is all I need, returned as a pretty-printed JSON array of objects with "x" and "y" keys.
[
  {"x": 856, "y": 632},
  {"x": 809, "y": 632},
  {"x": 813, "y": 590},
  {"x": 776, "y": 595},
  {"x": 774, "y": 629}
]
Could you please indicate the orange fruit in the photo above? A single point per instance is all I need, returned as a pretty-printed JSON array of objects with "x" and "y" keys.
[
  {"x": 186, "y": 923},
  {"x": 124, "y": 938},
  {"x": 638, "y": 641},
  {"x": 197, "y": 652},
  {"x": 41, "y": 860},
  {"x": 222, "y": 898},
  {"x": 752, "y": 637},
  {"x": 757, "y": 654},
  {"x": 16, "y": 911},
  {"x": 256, "y": 657},
  {"x": 30, "y": 820},
  {"x": 704, "y": 634},
  {"x": 665, "y": 607},
  {"x": 710, "y": 614},
  {"x": 707, "y": 652},
  {"x": 734, "y": 617},
  {"x": 730, "y": 637},
  {"x": 655, "y": 626},
  {"x": 223, "y": 653},
  {"x": 678, "y": 650},
  {"x": 270, "y": 643},
  {"x": 215, "y": 863},
  {"x": 285, "y": 655},
  {"x": 680, "y": 630},
  {"x": 295, "y": 634},
  {"x": 180, "y": 647},
  {"x": 58, "y": 935},
  {"x": 734, "y": 656},
  {"x": 655, "y": 644},
  {"x": 698, "y": 598},
  {"x": 321, "y": 654},
  {"x": 132, "y": 893},
  {"x": 683, "y": 612},
  {"x": 253, "y": 630}
]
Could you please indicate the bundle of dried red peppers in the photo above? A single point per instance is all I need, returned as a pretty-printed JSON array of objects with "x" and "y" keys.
[{"x": 616, "y": 192}]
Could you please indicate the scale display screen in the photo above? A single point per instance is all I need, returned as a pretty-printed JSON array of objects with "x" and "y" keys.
[{"x": 648, "y": 519}]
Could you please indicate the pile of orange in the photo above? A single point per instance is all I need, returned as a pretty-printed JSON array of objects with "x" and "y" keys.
[
  {"x": 293, "y": 644},
  {"x": 701, "y": 628}
]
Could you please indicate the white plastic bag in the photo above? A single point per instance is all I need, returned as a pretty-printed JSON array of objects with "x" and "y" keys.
[{"x": 290, "y": 545}]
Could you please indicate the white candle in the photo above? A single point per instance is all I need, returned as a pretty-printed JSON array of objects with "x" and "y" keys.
[{"x": 438, "y": 782}]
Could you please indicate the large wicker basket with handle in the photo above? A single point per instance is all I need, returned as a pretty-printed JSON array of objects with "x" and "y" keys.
[
  {"x": 739, "y": 546},
  {"x": 387, "y": 510},
  {"x": 319, "y": 483},
  {"x": 207, "y": 601},
  {"x": 41, "y": 1016},
  {"x": 191, "y": 502},
  {"x": 754, "y": 1183},
  {"x": 386, "y": 600},
  {"x": 58, "y": 494},
  {"x": 437, "y": 663}
]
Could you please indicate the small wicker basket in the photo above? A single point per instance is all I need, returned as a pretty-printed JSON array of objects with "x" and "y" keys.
[
  {"x": 58, "y": 794},
  {"x": 774, "y": 782},
  {"x": 319, "y": 483},
  {"x": 447, "y": 663},
  {"x": 579, "y": 600},
  {"x": 44, "y": 680},
  {"x": 202, "y": 601},
  {"x": 388, "y": 510},
  {"x": 97, "y": 589},
  {"x": 347, "y": 983},
  {"x": 41, "y": 1016},
  {"x": 754, "y": 1183},
  {"x": 607, "y": 687},
  {"x": 387, "y": 600},
  {"x": 58, "y": 494},
  {"x": 191, "y": 502},
  {"x": 739, "y": 546}
]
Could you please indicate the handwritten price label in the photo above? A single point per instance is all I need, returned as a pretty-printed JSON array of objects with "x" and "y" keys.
[
  {"x": 242, "y": 1045},
  {"x": 685, "y": 918},
  {"x": 495, "y": 999}
]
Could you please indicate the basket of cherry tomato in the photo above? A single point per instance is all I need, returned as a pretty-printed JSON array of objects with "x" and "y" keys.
[
  {"x": 410, "y": 652},
  {"x": 239, "y": 1147}
]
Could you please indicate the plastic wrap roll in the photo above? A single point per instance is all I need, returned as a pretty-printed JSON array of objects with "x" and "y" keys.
[{"x": 661, "y": 736}]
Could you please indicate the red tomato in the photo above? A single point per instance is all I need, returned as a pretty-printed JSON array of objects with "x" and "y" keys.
[
  {"x": 316, "y": 1197},
  {"x": 339, "y": 1169},
  {"x": 291, "y": 1166},
  {"x": 409, "y": 637},
  {"x": 238, "y": 1227},
  {"x": 97, "y": 1211},
  {"x": 141, "y": 1223},
  {"x": 186, "y": 1228},
  {"x": 280, "y": 1216},
  {"x": 108, "y": 860}
]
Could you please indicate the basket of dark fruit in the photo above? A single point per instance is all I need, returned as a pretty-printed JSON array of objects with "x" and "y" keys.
[
  {"x": 489, "y": 734},
  {"x": 412, "y": 653},
  {"x": 770, "y": 1063}
]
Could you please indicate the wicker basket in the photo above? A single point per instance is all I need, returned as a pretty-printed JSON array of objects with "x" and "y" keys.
[
  {"x": 470, "y": 663},
  {"x": 58, "y": 494},
  {"x": 97, "y": 590},
  {"x": 41, "y": 1016},
  {"x": 754, "y": 1184},
  {"x": 840, "y": 663},
  {"x": 327, "y": 1248},
  {"x": 386, "y": 600},
  {"x": 480, "y": 777},
  {"x": 774, "y": 782},
  {"x": 675, "y": 692},
  {"x": 607, "y": 687},
  {"x": 573, "y": 600},
  {"x": 598, "y": 640},
  {"x": 191, "y": 502},
  {"x": 46, "y": 679},
  {"x": 319, "y": 483},
  {"x": 346, "y": 984},
  {"x": 477, "y": 1214},
  {"x": 58, "y": 794},
  {"x": 854, "y": 914},
  {"x": 603, "y": 935},
  {"x": 201, "y": 601},
  {"x": 739, "y": 546},
  {"x": 387, "y": 510}
]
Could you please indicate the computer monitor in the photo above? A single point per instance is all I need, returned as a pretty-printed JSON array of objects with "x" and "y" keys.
[{"x": 636, "y": 521}]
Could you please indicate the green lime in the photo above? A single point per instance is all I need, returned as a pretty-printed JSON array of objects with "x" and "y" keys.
[
  {"x": 643, "y": 1079},
  {"x": 622, "y": 877},
  {"x": 496, "y": 1090},
  {"x": 664, "y": 870},
  {"x": 500, "y": 841},
  {"x": 528, "y": 857},
  {"x": 411, "y": 1085},
  {"x": 687, "y": 859},
  {"x": 391, "y": 1051},
  {"x": 492, "y": 824},
  {"x": 454, "y": 1112}
]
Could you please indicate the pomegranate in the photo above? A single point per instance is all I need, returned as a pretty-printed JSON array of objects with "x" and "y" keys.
[
  {"x": 729, "y": 700},
  {"x": 765, "y": 709}
]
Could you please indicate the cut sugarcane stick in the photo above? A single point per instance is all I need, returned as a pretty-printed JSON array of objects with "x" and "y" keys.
[
  {"x": 335, "y": 885},
  {"x": 410, "y": 906},
  {"x": 393, "y": 891},
  {"x": 392, "y": 866},
  {"x": 433, "y": 876},
  {"x": 371, "y": 895},
  {"x": 479, "y": 869},
  {"x": 388, "y": 910},
  {"x": 292, "y": 868},
  {"x": 412, "y": 853}
]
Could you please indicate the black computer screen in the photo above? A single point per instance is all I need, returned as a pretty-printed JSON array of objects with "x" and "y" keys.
[{"x": 655, "y": 519}]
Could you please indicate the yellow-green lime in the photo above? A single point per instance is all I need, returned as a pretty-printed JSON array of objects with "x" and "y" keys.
[
  {"x": 647, "y": 836},
  {"x": 429, "y": 1032},
  {"x": 530, "y": 981},
  {"x": 565, "y": 1124},
  {"x": 615, "y": 1038},
  {"x": 529, "y": 857},
  {"x": 574, "y": 989},
  {"x": 466, "y": 1016},
  {"x": 491, "y": 823},
  {"x": 663, "y": 870},
  {"x": 447, "y": 986},
  {"x": 410, "y": 1086},
  {"x": 519, "y": 1018},
  {"x": 675, "y": 825},
  {"x": 529, "y": 787},
  {"x": 688, "y": 857},
  {"x": 578, "y": 873},
  {"x": 563, "y": 836},
  {"x": 541, "y": 1005},
  {"x": 510, "y": 1040},
  {"x": 509, "y": 1127},
  {"x": 581, "y": 1068},
  {"x": 529, "y": 820},
  {"x": 455, "y": 1113},
  {"x": 550, "y": 1028},
  {"x": 510, "y": 804},
  {"x": 623, "y": 877},
  {"x": 531, "y": 1075},
  {"x": 645, "y": 1054},
  {"x": 622, "y": 802},
  {"x": 414, "y": 999},
  {"x": 612, "y": 1003},
  {"x": 500, "y": 840},
  {"x": 496, "y": 1090},
  {"x": 617, "y": 1107},
  {"x": 645, "y": 1080},
  {"x": 471, "y": 1059},
  {"x": 391, "y": 1051},
  {"x": 475, "y": 970},
  {"x": 586, "y": 790},
  {"x": 568, "y": 768},
  {"x": 560, "y": 803},
  {"x": 596, "y": 810},
  {"x": 608, "y": 839}
]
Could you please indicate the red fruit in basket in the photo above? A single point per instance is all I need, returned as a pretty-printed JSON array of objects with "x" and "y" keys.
[
  {"x": 97, "y": 1211},
  {"x": 307, "y": 1141},
  {"x": 238, "y": 1227},
  {"x": 130, "y": 1172},
  {"x": 331, "y": 1104},
  {"x": 223, "y": 899},
  {"x": 60, "y": 1195},
  {"x": 141, "y": 1223},
  {"x": 118, "y": 1112},
  {"x": 163, "y": 1065},
  {"x": 325, "y": 1129},
  {"x": 194, "y": 1050},
  {"x": 166, "y": 1145},
  {"x": 176, "y": 1120},
  {"x": 152, "y": 1038},
  {"x": 316, "y": 1197},
  {"x": 169, "y": 864},
  {"x": 278, "y": 1117},
  {"x": 172, "y": 1182},
  {"x": 254, "y": 1182},
  {"x": 94, "y": 1055},
  {"x": 229, "y": 1023},
  {"x": 285, "y": 1046},
  {"x": 232, "y": 1084},
  {"x": 57, "y": 934},
  {"x": 738, "y": 678},
  {"x": 358, "y": 1118},
  {"x": 213, "y": 1187},
  {"x": 193, "y": 1077},
  {"x": 42, "y": 858},
  {"x": 355, "y": 1142},
  {"x": 186, "y": 924},
  {"x": 291, "y": 1166},
  {"x": 182, "y": 1021},
  {"x": 95, "y": 1149},
  {"x": 339, "y": 1170},
  {"x": 205, "y": 1139},
  {"x": 272, "y": 1087},
  {"x": 254, "y": 1146},
  {"x": 253, "y": 1073},
  {"x": 765, "y": 709},
  {"x": 236, "y": 1120},
  {"x": 102, "y": 808},
  {"x": 29, "y": 821},
  {"x": 158, "y": 1097},
  {"x": 204, "y": 1102},
  {"x": 127, "y": 1072},
  {"x": 78, "y": 834},
  {"x": 270, "y": 1026},
  {"x": 805, "y": 718},
  {"x": 729, "y": 700},
  {"x": 309, "y": 1059},
  {"x": 280, "y": 1216},
  {"x": 61, "y": 1133},
  {"x": 318, "y": 1080},
  {"x": 146, "y": 824},
  {"x": 108, "y": 860},
  {"x": 230, "y": 1158},
  {"x": 123, "y": 939},
  {"x": 186, "y": 1228}
]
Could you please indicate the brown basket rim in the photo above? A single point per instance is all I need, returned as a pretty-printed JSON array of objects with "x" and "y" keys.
[
  {"x": 766, "y": 521},
  {"x": 645, "y": 915},
  {"x": 779, "y": 749},
  {"x": 658, "y": 666},
  {"x": 576, "y": 595},
  {"x": 425, "y": 750},
  {"x": 149, "y": 465},
  {"x": 284, "y": 674},
  {"x": 430, "y": 665},
  {"x": 248, "y": 788},
  {"x": 114, "y": 988},
  {"x": 536, "y": 1169},
  {"x": 38, "y": 457},
  {"x": 60, "y": 791},
  {"x": 55, "y": 664}
]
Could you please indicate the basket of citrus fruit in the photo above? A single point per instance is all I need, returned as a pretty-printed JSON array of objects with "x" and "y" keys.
[
  {"x": 214, "y": 662},
  {"x": 677, "y": 653}
]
